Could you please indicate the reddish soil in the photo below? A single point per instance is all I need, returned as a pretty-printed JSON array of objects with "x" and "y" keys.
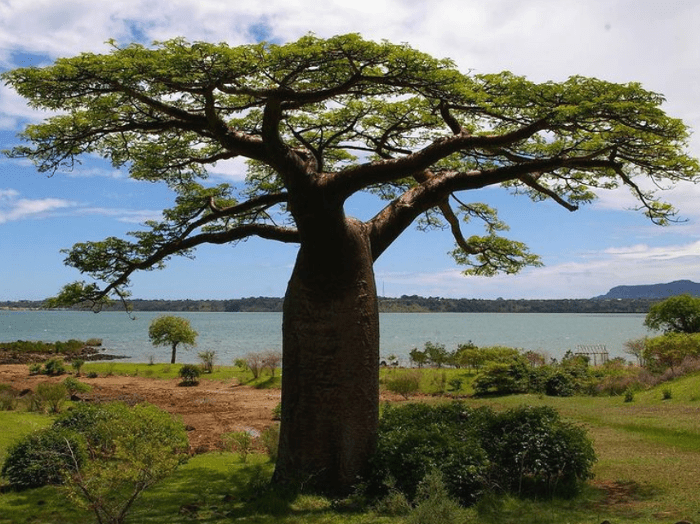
[{"x": 208, "y": 409}]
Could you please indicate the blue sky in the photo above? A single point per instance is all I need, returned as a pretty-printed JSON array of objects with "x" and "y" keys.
[{"x": 585, "y": 253}]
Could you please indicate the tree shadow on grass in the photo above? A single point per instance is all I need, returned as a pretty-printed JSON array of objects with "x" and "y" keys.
[
  {"x": 46, "y": 504},
  {"x": 223, "y": 494}
]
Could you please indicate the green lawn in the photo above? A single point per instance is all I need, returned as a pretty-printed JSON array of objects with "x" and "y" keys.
[{"x": 648, "y": 471}]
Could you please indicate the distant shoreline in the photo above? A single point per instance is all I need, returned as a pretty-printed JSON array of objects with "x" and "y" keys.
[{"x": 404, "y": 304}]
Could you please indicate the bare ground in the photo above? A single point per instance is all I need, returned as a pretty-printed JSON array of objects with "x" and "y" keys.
[{"x": 208, "y": 410}]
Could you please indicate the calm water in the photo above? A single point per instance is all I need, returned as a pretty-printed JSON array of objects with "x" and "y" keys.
[{"x": 232, "y": 335}]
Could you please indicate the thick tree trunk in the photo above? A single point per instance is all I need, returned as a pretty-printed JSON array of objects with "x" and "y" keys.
[
  {"x": 172, "y": 355},
  {"x": 330, "y": 380}
]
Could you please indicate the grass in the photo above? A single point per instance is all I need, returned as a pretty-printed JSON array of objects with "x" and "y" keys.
[
  {"x": 171, "y": 372},
  {"x": 648, "y": 462},
  {"x": 16, "y": 424}
]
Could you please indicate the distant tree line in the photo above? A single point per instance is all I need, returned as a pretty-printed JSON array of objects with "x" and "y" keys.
[{"x": 404, "y": 304}]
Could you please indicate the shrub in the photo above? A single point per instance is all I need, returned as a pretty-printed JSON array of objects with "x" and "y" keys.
[
  {"x": 94, "y": 422},
  {"x": 270, "y": 439},
  {"x": 405, "y": 383},
  {"x": 42, "y": 457},
  {"x": 502, "y": 378},
  {"x": 560, "y": 384},
  {"x": 277, "y": 412},
  {"x": 144, "y": 444},
  {"x": 272, "y": 360},
  {"x": 526, "y": 451},
  {"x": 52, "y": 394},
  {"x": 255, "y": 362},
  {"x": 667, "y": 394},
  {"x": 629, "y": 395},
  {"x": 434, "y": 504},
  {"x": 240, "y": 442},
  {"x": 35, "y": 368},
  {"x": 416, "y": 439},
  {"x": 74, "y": 386},
  {"x": 534, "y": 452},
  {"x": 189, "y": 373},
  {"x": 207, "y": 358},
  {"x": 53, "y": 366},
  {"x": 77, "y": 364}
]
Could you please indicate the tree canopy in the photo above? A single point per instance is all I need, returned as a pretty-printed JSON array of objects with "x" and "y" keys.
[
  {"x": 171, "y": 331},
  {"x": 332, "y": 117},
  {"x": 679, "y": 314}
]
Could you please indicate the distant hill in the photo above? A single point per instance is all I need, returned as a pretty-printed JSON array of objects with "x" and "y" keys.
[{"x": 679, "y": 287}]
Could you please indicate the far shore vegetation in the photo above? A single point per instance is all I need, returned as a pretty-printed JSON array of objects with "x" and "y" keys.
[{"x": 403, "y": 304}]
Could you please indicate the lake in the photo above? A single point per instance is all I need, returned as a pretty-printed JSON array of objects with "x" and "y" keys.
[{"x": 232, "y": 335}]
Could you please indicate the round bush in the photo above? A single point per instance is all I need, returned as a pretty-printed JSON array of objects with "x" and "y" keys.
[
  {"x": 560, "y": 384},
  {"x": 534, "y": 452},
  {"x": 523, "y": 451},
  {"x": 416, "y": 439},
  {"x": 42, "y": 457},
  {"x": 189, "y": 373}
]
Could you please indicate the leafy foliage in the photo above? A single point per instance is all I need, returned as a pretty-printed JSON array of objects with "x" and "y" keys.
[
  {"x": 405, "y": 383},
  {"x": 679, "y": 314},
  {"x": 131, "y": 449},
  {"x": 526, "y": 451},
  {"x": 402, "y": 124},
  {"x": 43, "y": 457},
  {"x": 168, "y": 330},
  {"x": 189, "y": 373},
  {"x": 53, "y": 394},
  {"x": 537, "y": 453},
  {"x": 670, "y": 350}
]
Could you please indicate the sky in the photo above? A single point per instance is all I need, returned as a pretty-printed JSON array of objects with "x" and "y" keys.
[{"x": 585, "y": 253}]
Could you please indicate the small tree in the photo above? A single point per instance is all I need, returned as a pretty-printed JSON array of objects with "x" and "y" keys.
[
  {"x": 171, "y": 331},
  {"x": 680, "y": 314},
  {"x": 437, "y": 354},
  {"x": 418, "y": 357},
  {"x": 271, "y": 360},
  {"x": 636, "y": 347},
  {"x": 145, "y": 445},
  {"x": 255, "y": 362},
  {"x": 207, "y": 358}
]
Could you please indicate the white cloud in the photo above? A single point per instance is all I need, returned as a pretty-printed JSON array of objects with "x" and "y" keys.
[
  {"x": 233, "y": 170},
  {"x": 586, "y": 278},
  {"x": 13, "y": 208},
  {"x": 129, "y": 216}
]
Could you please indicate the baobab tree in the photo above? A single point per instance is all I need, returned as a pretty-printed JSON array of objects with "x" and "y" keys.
[{"x": 320, "y": 120}]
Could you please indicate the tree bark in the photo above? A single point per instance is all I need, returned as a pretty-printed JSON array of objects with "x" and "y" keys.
[
  {"x": 172, "y": 355},
  {"x": 330, "y": 380}
]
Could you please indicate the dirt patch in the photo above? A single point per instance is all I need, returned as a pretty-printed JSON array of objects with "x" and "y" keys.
[{"x": 208, "y": 410}]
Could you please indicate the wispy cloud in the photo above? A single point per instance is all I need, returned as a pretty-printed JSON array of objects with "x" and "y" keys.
[
  {"x": 630, "y": 265},
  {"x": 13, "y": 208}
]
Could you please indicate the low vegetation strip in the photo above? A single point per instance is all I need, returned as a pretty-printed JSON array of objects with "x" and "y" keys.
[{"x": 26, "y": 351}]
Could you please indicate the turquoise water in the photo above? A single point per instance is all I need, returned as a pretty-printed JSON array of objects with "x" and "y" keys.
[{"x": 232, "y": 335}]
